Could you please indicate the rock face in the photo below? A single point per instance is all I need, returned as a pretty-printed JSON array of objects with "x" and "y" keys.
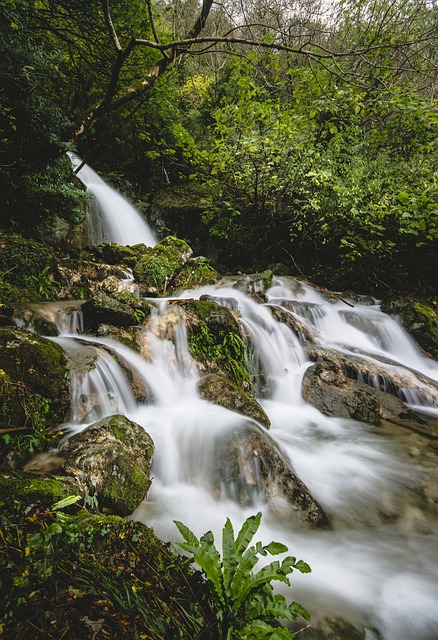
[
  {"x": 419, "y": 318},
  {"x": 113, "y": 457},
  {"x": 332, "y": 386},
  {"x": 33, "y": 376},
  {"x": 219, "y": 389},
  {"x": 251, "y": 463}
]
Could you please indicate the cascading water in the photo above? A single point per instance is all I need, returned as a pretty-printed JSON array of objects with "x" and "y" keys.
[
  {"x": 375, "y": 566},
  {"x": 111, "y": 218}
]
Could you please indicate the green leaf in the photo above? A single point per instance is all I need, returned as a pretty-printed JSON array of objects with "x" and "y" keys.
[
  {"x": 247, "y": 532},
  {"x": 65, "y": 502},
  {"x": 207, "y": 557},
  {"x": 274, "y": 548},
  {"x": 228, "y": 554}
]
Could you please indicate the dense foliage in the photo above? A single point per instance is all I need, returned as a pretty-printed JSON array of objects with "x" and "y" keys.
[{"x": 304, "y": 137}]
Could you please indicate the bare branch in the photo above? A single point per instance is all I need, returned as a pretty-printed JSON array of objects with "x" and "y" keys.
[{"x": 110, "y": 25}]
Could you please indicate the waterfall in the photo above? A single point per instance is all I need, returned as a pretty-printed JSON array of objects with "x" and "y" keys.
[
  {"x": 376, "y": 566},
  {"x": 111, "y": 218}
]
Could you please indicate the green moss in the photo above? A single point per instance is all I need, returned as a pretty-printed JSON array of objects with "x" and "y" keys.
[
  {"x": 159, "y": 265},
  {"x": 196, "y": 273},
  {"x": 429, "y": 316},
  {"x": 28, "y": 269},
  {"x": 37, "y": 363},
  {"x": 215, "y": 341}
]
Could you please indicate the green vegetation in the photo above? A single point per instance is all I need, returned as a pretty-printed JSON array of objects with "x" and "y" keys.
[
  {"x": 244, "y": 602},
  {"x": 57, "y": 575},
  {"x": 319, "y": 151},
  {"x": 214, "y": 340}
]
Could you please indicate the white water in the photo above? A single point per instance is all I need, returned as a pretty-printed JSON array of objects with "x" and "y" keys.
[
  {"x": 111, "y": 218},
  {"x": 377, "y": 566}
]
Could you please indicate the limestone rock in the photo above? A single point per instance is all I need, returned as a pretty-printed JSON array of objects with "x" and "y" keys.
[{"x": 114, "y": 457}]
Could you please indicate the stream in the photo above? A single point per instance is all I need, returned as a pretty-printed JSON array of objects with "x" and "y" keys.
[{"x": 376, "y": 566}]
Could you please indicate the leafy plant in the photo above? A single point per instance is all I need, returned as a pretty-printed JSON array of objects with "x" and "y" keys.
[{"x": 245, "y": 603}]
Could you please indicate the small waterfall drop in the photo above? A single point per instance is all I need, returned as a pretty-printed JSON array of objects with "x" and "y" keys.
[{"x": 111, "y": 218}]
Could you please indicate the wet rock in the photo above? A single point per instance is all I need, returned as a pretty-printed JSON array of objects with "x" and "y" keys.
[
  {"x": 220, "y": 390},
  {"x": 251, "y": 463},
  {"x": 112, "y": 456},
  {"x": 106, "y": 309},
  {"x": 332, "y": 386},
  {"x": 33, "y": 379},
  {"x": 304, "y": 333},
  {"x": 419, "y": 318},
  {"x": 34, "y": 321},
  {"x": 160, "y": 265},
  {"x": 254, "y": 284}
]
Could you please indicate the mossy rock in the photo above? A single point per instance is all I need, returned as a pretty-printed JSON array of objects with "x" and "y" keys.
[
  {"x": 34, "y": 378},
  {"x": 34, "y": 321},
  {"x": 215, "y": 341},
  {"x": 113, "y": 253},
  {"x": 113, "y": 456},
  {"x": 142, "y": 309},
  {"x": 419, "y": 318},
  {"x": 197, "y": 272},
  {"x": 159, "y": 266},
  {"x": 27, "y": 493},
  {"x": 220, "y": 390},
  {"x": 106, "y": 309}
]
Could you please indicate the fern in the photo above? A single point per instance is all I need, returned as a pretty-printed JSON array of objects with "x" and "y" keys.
[{"x": 245, "y": 604}]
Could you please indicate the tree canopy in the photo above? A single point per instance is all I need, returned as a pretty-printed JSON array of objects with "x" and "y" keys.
[{"x": 307, "y": 128}]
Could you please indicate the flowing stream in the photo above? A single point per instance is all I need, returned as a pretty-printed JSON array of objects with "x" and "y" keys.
[{"x": 376, "y": 566}]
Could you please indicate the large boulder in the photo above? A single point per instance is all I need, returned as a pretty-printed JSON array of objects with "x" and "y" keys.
[
  {"x": 215, "y": 340},
  {"x": 340, "y": 385},
  {"x": 250, "y": 463},
  {"x": 34, "y": 380},
  {"x": 219, "y": 389},
  {"x": 112, "y": 457},
  {"x": 107, "y": 310},
  {"x": 419, "y": 318}
]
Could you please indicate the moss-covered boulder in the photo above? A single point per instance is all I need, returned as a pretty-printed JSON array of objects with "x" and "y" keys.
[
  {"x": 419, "y": 318},
  {"x": 215, "y": 340},
  {"x": 35, "y": 392},
  {"x": 219, "y": 389},
  {"x": 113, "y": 253},
  {"x": 160, "y": 265},
  {"x": 112, "y": 456}
]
